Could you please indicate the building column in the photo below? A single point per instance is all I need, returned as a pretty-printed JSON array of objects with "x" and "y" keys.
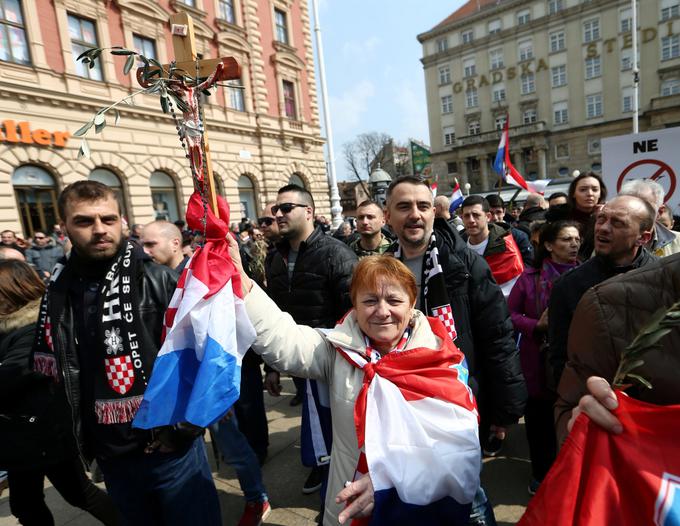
[
  {"x": 464, "y": 176},
  {"x": 517, "y": 162},
  {"x": 484, "y": 172},
  {"x": 542, "y": 168}
]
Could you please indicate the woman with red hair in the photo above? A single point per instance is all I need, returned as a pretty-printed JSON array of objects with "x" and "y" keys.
[{"x": 405, "y": 441}]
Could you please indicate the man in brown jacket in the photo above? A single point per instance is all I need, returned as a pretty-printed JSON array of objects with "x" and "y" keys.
[{"x": 606, "y": 320}]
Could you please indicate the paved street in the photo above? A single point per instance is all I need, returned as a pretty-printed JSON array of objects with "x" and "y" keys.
[{"x": 505, "y": 478}]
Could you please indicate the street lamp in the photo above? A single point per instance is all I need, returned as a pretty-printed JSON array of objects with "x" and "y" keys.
[
  {"x": 378, "y": 182},
  {"x": 467, "y": 187}
]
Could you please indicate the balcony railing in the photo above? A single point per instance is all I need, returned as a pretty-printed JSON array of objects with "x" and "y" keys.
[{"x": 522, "y": 129}]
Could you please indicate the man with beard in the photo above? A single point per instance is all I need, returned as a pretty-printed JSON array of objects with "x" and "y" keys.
[
  {"x": 99, "y": 332},
  {"x": 309, "y": 278},
  {"x": 455, "y": 284},
  {"x": 371, "y": 241},
  {"x": 622, "y": 229}
]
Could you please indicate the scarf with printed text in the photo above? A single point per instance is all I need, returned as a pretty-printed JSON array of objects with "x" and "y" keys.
[
  {"x": 122, "y": 363},
  {"x": 435, "y": 296}
]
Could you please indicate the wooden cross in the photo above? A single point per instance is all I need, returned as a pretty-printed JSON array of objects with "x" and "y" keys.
[{"x": 186, "y": 66}]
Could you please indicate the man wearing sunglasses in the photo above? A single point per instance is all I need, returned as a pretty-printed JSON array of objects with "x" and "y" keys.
[
  {"x": 309, "y": 277},
  {"x": 267, "y": 223},
  {"x": 43, "y": 254}
]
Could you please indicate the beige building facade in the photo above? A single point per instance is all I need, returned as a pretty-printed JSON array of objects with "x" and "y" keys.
[
  {"x": 561, "y": 70},
  {"x": 264, "y": 129}
]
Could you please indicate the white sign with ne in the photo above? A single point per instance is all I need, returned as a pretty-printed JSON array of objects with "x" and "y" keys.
[{"x": 650, "y": 155}]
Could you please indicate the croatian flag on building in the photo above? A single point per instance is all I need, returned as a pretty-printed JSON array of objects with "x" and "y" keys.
[
  {"x": 456, "y": 198},
  {"x": 417, "y": 421},
  {"x": 197, "y": 374},
  {"x": 503, "y": 166}
]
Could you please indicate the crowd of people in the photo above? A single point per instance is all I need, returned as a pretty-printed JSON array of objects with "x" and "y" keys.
[{"x": 507, "y": 299}]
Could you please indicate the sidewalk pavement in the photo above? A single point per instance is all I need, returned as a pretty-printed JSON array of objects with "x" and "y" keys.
[{"x": 505, "y": 478}]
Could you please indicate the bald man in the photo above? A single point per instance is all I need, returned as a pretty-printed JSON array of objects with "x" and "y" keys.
[{"x": 162, "y": 240}]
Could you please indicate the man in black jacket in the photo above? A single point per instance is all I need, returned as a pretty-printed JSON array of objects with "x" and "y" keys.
[
  {"x": 103, "y": 321},
  {"x": 622, "y": 229},
  {"x": 482, "y": 320},
  {"x": 309, "y": 277}
]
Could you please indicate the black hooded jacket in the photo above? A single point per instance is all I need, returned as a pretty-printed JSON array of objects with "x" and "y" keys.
[
  {"x": 485, "y": 331},
  {"x": 318, "y": 293}
]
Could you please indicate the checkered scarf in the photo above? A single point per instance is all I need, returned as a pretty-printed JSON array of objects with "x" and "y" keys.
[
  {"x": 120, "y": 379},
  {"x": 434, "y": 297}
]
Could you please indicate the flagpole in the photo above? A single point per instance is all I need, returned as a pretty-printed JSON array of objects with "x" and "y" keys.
[
  {"x": 336, "y": 209},
  {"x": 636, "y": 70}
]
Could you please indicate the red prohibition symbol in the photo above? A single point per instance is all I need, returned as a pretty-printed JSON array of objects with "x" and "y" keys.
[{"x": 663, "y": 170}]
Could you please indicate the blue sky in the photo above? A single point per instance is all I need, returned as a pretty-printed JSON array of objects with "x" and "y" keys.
[{"x": 373, "y": 70}]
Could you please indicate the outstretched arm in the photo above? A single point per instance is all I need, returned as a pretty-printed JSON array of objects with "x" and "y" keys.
[{"x": 283, "y": 344}]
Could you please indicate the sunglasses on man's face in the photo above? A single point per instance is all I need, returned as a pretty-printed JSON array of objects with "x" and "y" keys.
[
  {"x": 286, "y": 208},
  {"x": 266, "y": 221}
]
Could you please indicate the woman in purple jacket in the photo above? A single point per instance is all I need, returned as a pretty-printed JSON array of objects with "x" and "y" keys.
[{"x": 557, "y": 253}]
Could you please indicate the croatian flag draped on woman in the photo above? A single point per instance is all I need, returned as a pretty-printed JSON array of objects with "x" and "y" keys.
[{"x": 197, "y": 374}]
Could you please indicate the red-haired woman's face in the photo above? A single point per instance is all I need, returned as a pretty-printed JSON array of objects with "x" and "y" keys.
[
  {"x": 587, "y": 194},
  {"x": 383, "y": 314}
]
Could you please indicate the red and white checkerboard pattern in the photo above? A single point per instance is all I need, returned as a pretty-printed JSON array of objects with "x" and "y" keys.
[
  {"x": 48, "y": 334},
  {"x": 446, "y": 316},
  {"x": 120, "y": 373}
]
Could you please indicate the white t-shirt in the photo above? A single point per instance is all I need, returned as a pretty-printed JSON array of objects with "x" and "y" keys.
[{"x": 480, "y": 248}]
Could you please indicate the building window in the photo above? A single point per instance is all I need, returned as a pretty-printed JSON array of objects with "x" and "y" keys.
[
  {"x": 289, "y": 100},
  {"x": 560, "y": 113},
  {"x": 500, "y": 122},
  {"x": 83, "y": 37},
  {"x": 594, "y": 106},
  {"x": 110, "y": 179},
  {"x": 670, "y": 9},
  {"x": 473, "y": 128},
  {"x": 447, "y": 104},
  {"x": 670, "y": 47},
  {"x": 144, "y": 46},
  {"x": 594, "y": 146},
  {"x": 227, "y": 11},
  {"x": 555, "y": 6},
  {"x": 471, "y": 98},
  {"x": 591, "y": 30},
  {"x": 496, "y": 58},
  {"x": 469, "y": 67},
  {"x": 164, "y": 196},
  {"x": 596, "y": 167},
  {"x": 626, "y": 59},
  {"x": 36, "y": 195},
  {"x": 557, "y": 41},
  {"x": 467, "y": 36},
  {"x": 237, "y": 99},
  {"x": 528, "y": 83},
  {"x": 670, "y": 87},
  {"x": 190, "y": 3},
  {"x": 246, "y": 197},
  {"x": 593, "y": 67},
  {"x": 13, "y": 44},
  {"x": 523, "y": 17},
  {"x": 529, "y": 116},
  {"x": 449, "y": 135},
  {"x": 562, "y": 151},
  {"x": 526, "y": 50},
  {"x": 494, "y": 26},
  {"x": 559, "y": 76},
  {"x": 625, "y": 20},
  {"x": 281, "y": 20},
  {"x": 444, "y": 75},
  {"x": 442, "y": 44},
  {"x": 627, "y": 100},
  {"x": 498, "y": 93},
  {"x": 452, "y": 167}
]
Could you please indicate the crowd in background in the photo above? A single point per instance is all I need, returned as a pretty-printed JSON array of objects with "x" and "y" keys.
[{"x": 542, "y": 258}]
